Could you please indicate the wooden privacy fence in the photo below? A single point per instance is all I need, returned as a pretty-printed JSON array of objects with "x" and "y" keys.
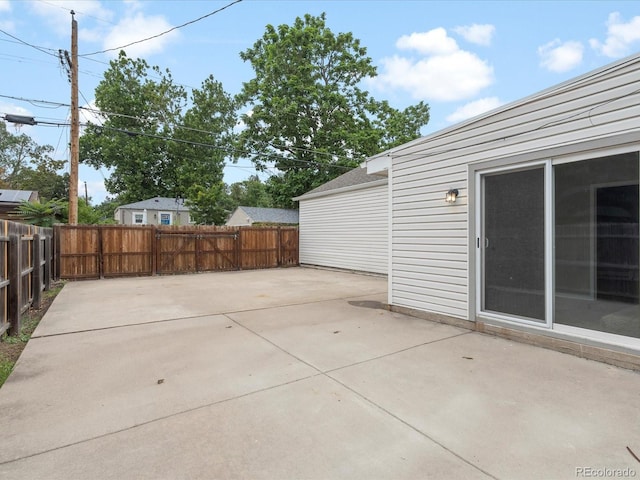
[
  {"x": 98, "y": 251},
  {"x": 26, "y": 260}
]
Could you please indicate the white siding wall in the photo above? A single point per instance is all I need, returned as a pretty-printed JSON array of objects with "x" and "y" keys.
[
  {"x": 430, "y": 237},
  {"x": 346, "y": 230}
]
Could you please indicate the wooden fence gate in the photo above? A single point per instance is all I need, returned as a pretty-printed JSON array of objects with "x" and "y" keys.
[
  {"x": 179, "y": 252},
  {"x": 99, "y": 251}
]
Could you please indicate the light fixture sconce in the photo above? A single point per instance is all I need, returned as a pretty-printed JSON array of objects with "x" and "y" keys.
[{"x": 451, "y": 196}]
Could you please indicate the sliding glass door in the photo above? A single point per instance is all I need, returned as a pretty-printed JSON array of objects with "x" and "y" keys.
[
  {"x": 513, "y": 243},
  {"x": 559, "y": 244}
]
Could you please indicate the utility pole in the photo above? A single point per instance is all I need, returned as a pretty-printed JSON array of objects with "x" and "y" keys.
[{"x": 75, "y": 126}]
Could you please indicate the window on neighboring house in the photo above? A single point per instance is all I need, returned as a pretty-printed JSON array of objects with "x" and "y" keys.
[
  {"x": 138, "y": 218},
  {"x": 165, "y": 218}
]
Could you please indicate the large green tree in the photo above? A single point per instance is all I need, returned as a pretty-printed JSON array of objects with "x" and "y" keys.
[
  {"x": 250, "y": 193},
  {"x": 26, "y": 165},
  {"x": 155, "y": 140},
  {"x": 141, "y": 104},
  {"x": 307, "y": 115},
  {"x": 202, "y": 146}
]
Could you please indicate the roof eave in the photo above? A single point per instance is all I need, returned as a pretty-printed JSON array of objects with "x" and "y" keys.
[{"x": 350, "y": 188}]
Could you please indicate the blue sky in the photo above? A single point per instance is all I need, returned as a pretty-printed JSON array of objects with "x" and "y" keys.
[{"x": 463, "y": 58}]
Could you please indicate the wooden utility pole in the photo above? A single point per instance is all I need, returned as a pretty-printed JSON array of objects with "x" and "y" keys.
[{"x": 75, "y": 126}]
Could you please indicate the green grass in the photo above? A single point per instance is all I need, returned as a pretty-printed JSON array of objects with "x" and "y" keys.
[
  {"x": 14, "y": 345},
  {"x": 5, "y": 369}
]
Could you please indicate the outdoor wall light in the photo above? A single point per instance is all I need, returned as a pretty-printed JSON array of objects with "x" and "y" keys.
[{"x": 451, "y": 196}]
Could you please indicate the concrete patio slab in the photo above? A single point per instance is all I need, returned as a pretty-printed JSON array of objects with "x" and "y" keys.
[
  {"x": 337, "y": 333},
  {"x": 297, "y": 373},
  {"x": 69, "y": 388},
  {"x": 312, "y": 429},
  {"x": 515, "y": 410},
  {"x": 98, "y": 304}
]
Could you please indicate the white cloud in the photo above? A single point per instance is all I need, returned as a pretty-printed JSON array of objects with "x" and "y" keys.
[
  {"x": 14, "y": 109},
  {"x": 6, "y": 24},
  {"x": 478, "y": 34},
  {"x": 96, "y": 25},
  {"x": 621, "y": 36},
  {"x": 474, "y": 108},
  {"x": 557, "y": 56},
  {"x": 433, "y": 42},
  {"x": 444, "y": 72},
  {"x": 138, "y": 27},
  {"x": 57, "y": 15}
]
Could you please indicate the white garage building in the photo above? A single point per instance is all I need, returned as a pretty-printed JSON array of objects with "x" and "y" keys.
[{"x": 344, "y": 223}]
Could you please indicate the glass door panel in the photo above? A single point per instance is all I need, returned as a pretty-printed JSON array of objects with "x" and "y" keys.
[
  {"x": 513, "y": 243},
  {"x": 597, "y": 247}
]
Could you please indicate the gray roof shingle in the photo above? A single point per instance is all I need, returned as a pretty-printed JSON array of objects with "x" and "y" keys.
[
  {"x": 157, "y": 203},
  {"x": 271, "y": 215},
  {"x": 357, "y": 176}
]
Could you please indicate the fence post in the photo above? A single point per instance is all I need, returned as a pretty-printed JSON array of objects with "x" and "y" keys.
[
  {"x": 100, "y": 253},
  {"x": 239, "y": 249},
  {"x": 152, "y": 261},
  {"x": 47, "y": 262},
  {"x": 36, "y": 279},
  {"x": 155, "y": 250},
  {"x": 57, "y": 233},
  {"x": 15, "y": 283},
  {"x": 280, "y": 259}
]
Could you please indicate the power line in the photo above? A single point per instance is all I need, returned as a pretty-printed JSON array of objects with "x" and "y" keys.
[
  {"x": 33, "y": 101},
  {"x": 40, "y": 49},
  {"x": 20, "y": 59},
  {"x": 232, "y": 150},
  {"x": 163, "y": 33},
  {"x": 98, "y": 112}
]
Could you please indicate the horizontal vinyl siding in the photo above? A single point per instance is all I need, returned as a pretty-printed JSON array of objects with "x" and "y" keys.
[
  {"x": 429, "y": 252},
  {"x": 346, "y": 230}
]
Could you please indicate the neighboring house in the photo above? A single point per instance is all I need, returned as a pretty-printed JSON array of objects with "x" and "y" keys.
[
  {"x": 155, "y": 211},
  {"x": 540, "y": 231},
  {"x": 11, "y": 199},
  {"x": 246, "y": 216},
  {"x": 345, "y": 223}
]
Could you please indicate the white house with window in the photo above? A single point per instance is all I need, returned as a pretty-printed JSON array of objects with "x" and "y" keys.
[
  {"x": 154, "y": 211},
  {"x": 524, "y": 221}
]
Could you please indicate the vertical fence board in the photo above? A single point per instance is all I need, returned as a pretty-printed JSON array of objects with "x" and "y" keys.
[
  {"x": 37, "y": 271},
  {"x": 46, "y": 272},
  {"x": 4, "y": 278},
  {"x": 15, "y": 282}
]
